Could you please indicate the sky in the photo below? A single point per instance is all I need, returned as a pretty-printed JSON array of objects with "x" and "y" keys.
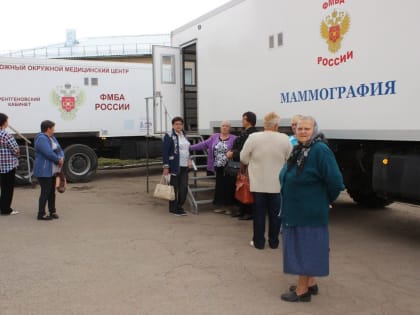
[{"x": 30, "y": 24}]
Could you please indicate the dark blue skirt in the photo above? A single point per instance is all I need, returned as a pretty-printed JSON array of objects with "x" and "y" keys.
[{"x": 306, "y": 250}]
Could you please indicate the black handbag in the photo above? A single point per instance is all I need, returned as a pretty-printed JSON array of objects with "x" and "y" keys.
[{"x": 232, "y": 168}]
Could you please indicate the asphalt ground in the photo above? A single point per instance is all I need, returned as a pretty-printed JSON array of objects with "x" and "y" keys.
[{"x": 117, "y": 250}]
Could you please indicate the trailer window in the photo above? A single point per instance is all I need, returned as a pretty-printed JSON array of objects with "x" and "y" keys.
[
  {"x": 271, "y": 41},
  {"x": 189, "y": 73},
  {"x": 280, "y": 39},
  {"x": 168, "y": 69},
  {"x": 93, "y": 81}
]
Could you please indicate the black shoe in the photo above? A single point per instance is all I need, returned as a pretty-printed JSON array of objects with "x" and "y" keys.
[
  {"x": 313, "y": 290},
  {"x": 245, "y": 217},
  {"x": 11, "y": 212},
  {"x": 182, "y": 212},
  {"x": 174, "y": 212},
  {"x": 45, "y": 217},
  {"x": 54, "y": 215},
  {"x": 293, "y": 297},
  {"x": 178, "y": 213}
]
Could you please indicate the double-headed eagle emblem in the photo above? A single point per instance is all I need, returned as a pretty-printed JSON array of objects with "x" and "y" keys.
[
  {"x": 68, "y": 99},
  {"x": 333, "y": 28}
]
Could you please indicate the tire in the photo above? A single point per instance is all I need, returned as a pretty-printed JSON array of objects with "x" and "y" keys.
[
  {"x": 356, "y": 167},
  {"x": 370, "y": 200},
  {"x": 23, "y": 176},
  {"x": 80, "y": 163}
]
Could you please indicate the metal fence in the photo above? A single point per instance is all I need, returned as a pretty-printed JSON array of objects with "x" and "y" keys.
[{"x": 123, "y": 49}]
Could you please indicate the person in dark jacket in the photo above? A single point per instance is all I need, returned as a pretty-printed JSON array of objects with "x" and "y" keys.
[
  {"x": 49, "y": 159},
  {"x": 176, "y": 162},
  {"x": 310, "y": 181},
  {"x": 249, "y": 119}
]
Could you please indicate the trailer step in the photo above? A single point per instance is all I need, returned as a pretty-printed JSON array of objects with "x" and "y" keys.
[
  {"x": 201, "y": 189},
  {"x": 204, "y": 202},
  {"x": 194, "y": 196},
  {"x": 202, "y": 177},
  {"x": 198, "y": 155}
]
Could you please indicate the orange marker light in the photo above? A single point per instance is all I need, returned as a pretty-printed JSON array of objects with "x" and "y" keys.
[{"x": 385, "y": 161}]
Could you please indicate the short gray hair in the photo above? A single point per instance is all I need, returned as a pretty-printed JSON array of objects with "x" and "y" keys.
[
  {"x": 225, "y": 122},
  {"x": 271, "y": 119}
]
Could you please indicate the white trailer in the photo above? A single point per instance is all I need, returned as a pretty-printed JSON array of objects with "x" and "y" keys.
[
  {"x": 99, "y": 108},
  {"x": 351, "y": 64}
]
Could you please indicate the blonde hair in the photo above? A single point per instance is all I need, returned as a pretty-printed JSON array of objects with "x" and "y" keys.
[
  {"x": 271, "y": 120},
  {"x": 296, "y": 118}
]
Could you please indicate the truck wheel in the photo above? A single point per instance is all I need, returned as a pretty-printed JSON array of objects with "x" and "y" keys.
[
  {"x": 356, "y": 167},
  {"x": 80, "y": 163},
  {"x": 23, "y": 175},
  {"x": 370, "y": 200}
]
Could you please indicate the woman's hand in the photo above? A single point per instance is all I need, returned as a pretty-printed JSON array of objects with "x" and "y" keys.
[
  {"x": 229, "y": 154},
  {"x": 166, "y": 171}
]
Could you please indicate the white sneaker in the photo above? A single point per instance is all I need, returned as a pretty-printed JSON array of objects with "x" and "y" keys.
[
  {"x": 14, "y": 212},
  {"x": 218, "y": 210},
  {"x": 228, "y": 212},
  {"x": 251, "y": 243}
]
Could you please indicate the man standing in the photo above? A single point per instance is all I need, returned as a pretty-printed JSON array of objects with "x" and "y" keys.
[{"x": 249, "y": 119}]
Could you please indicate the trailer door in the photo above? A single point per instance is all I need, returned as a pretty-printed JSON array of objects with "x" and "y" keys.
[{"x": 167, "y": 91}]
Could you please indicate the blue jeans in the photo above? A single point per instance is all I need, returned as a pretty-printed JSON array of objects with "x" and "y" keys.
[{"x": 266, "y": 202}]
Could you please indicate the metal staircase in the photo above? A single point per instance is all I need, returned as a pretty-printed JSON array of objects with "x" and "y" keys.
[{"x": 200, "y": 185}]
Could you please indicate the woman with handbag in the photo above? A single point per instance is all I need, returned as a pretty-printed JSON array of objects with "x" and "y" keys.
[
  {"x": 49, "y": 159},
  {"x": 217, "y": 146},
  {"x": 176, "y": 163},
  {"x": 265, "y": 153}
]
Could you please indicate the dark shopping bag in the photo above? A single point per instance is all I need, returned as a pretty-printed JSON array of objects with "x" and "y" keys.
[{"x": 232, "y": 168}]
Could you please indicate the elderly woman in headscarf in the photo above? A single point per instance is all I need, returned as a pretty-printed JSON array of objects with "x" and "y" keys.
[{"x": 310, "y": 181}]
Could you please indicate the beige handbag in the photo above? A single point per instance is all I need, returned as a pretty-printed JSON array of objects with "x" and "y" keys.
[{"x": 164, "y": 191}]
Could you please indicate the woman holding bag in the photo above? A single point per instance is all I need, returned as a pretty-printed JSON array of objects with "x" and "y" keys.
[
  {"x": 49, "y": 159},
  {"x": 176, "y": 162}
]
